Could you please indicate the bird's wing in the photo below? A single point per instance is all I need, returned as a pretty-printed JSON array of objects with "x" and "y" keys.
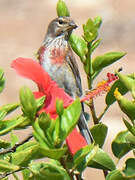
[{"x": 74, "y": 67}]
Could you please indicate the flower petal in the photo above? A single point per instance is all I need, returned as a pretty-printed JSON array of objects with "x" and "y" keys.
[
  {"x": 75, "y": 141},
  {"x": 32, "y": 70}
]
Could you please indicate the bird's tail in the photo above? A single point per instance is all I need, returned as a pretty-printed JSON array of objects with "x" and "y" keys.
[{"x": 84, "y": 129}]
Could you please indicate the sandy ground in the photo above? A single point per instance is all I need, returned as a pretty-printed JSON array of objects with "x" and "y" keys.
[{"x": 22, "y": 28}]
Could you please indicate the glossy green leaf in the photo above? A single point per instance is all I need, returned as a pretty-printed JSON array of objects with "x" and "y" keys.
[
  {"x": 68, "y": 120},
  {"x": 79, "y": 46},
  {"x": 59, "y": 107},
  {"x": 128, "y": 81},
  {"x": 99, "y": 133},
  {"x": 26, "y": 174},
  {"x": 128, "y": 107},
  {"x": 90, "y": 31},
  {"x": 84, "y": 156},
  {"x": 105, "y": 60},
  {"x": 129, "y": 127},
  {"x": 131, "y": 140},
  {"x": 7, "y": 167},
  {"x": 115, "y": 175},
  {"x": 8, "y": 108},
  {"x": 24, "y": 124},
  {"x": 27, "y": 146},
  {"x": 110, "y": 98},
  {"x": 119, "y": 145},
  {"x": 81, "y": 154},
  {"x": 53, "y": 153},
  {"x": 2, "y": 80},
  {"x": 14, "y": 139},
  {"x": 7, "y": 125},
  {"x": 62, "y": 9},
  {"x": 95, "y": 44},
  {"x": 28, "y": 102},
  {"x": 48, "y": 171},
  {"x": 22, "y": 158},
  {"x": 40, "y": 102},
  {"x": 2, "y": 115},
  {"x": 45, "y": 124},
  {"x": 102, "y": 161},
  {"x": 40, "y": 135},
  {"x": 98, "y": 21},
  {"x": 129, "y": 170}
]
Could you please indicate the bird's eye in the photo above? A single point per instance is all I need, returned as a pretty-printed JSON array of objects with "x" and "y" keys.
[{"x": 61, "y": 22}]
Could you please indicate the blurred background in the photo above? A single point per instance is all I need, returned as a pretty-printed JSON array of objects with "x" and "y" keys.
[{"x": 22, "y": 28}]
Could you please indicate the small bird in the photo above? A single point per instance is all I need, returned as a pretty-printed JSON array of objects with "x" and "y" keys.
[{"x": 56, "y": 57}]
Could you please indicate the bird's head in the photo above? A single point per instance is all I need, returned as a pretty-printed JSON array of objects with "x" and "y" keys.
[{"x": 61, "y": 26}]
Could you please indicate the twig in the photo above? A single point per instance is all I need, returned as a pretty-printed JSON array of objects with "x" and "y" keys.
[
  {"x": 9, "y": 173},
  {"x": 13, "y": 149}
]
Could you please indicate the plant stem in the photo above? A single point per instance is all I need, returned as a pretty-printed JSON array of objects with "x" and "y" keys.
[
  {"x": 105, "y": 173},
  {"x": 9, "y": 173},
  {"x": 93, "y": 112},
  {"x": 13, "y": 149},
  {"x": 102, "y": 114},
  {"x": 91, "y": 102},
  {"x": 63, "y": 163}
]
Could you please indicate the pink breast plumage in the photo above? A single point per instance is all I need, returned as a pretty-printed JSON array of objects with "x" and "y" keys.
[{"x": 57, "y": 56}]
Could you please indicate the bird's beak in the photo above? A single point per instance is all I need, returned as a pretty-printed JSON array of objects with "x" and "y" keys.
[{"x": 72, "y": 25}]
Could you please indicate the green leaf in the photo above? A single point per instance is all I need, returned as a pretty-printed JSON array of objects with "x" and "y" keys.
[
  {"x": 53, "y": 153},
  {"x": 128, "y": 81},
  {"x": 24, "y": 124},
  {"x": 22, "y": 158},
  {"x": 90, "y": 31},
  {"x": 81, "y": 154},
  {"x": 14, "y": 139},
  {"x": 128, "y": 107},
  {"x": 59, "y": 107},
  {"x": 95, "y": 44},
  {"x": 48, "y": 171},
  {"x": 84, "y": 156},
  {"x": 7, "y": 125},
  {"x": 115, "y": 175},
  {"x": 47, "y": 125},
  {"x": 62, "y": 9},
  {"x": 2, "y": 80},
  {"x": 8, "y": 108},
  {"x": 2, "y": 115},
  {"x": 28, "y": 103},
  {"x": 102, "y": 161},
  {"x": 40, "y": 102},
  {"x": 40, "y": 135},
  {"x": 119, "y": 145},
  {"x": 97, "y": 21},
  {"x": 26, "y": 174},
  {"x": 110, "y": 98},
  {"x": 7, "y": 167},
  {"x": 105, "y": 60},
  {"x": 99, "y": 133},
  {"x": 79, "y": 46},
  {"x": 129, "y": 170},
  {"x": 131, "y": 140},
  {"x": 129, "y": 127},
  {"x": 4, "y": 144},
  {"x": 68, "y": 120}
]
